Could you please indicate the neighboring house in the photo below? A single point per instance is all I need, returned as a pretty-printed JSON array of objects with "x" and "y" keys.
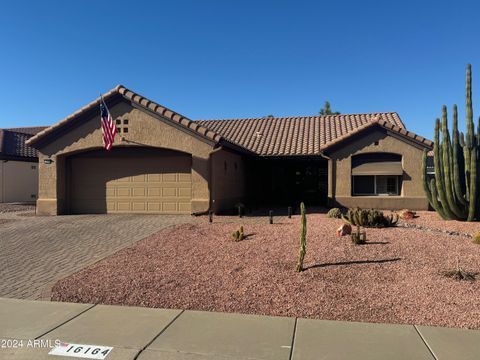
[
  {"x": 18, "y": 165},
  {"x": 163, "y": 162}
]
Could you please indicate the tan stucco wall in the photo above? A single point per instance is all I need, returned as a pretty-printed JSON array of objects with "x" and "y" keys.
[
  {"x": 228, "y": 180},
  {"x": 18, "y": 181},
  {"x": 340, "y": 170},
  {"x": 143, "y": 130}
]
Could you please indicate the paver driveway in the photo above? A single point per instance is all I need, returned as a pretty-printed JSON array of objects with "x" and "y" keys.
[{"x": 35, "y": 252}]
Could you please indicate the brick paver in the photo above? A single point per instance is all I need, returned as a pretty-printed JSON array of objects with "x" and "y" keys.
[{"x": 35, "y": 252}]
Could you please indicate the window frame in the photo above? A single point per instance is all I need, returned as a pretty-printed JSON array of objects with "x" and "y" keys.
[{"x": 375, "y": 191}]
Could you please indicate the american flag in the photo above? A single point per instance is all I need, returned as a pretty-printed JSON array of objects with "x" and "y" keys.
[{"x": 108, "y": 127}]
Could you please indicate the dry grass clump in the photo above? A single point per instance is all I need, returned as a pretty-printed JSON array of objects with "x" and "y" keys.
[{"x": 459, "y": 274}]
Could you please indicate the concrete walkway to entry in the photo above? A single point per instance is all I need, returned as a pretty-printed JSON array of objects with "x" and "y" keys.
[{"x": 147, "y": 334}]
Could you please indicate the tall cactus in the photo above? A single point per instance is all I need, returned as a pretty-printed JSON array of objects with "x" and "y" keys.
[
  {"x": 453, "y": 192},
  {"x": 303, "y": 238}
]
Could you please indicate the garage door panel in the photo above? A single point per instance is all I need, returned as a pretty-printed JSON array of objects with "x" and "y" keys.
[
  {"x": 169, "y": 178},
  {"x": 185, "y": 193},
  {"x": 155, "y": 206},
  {"x": 139, "y": 178},
  {"x": 139, "y": 206},
  {"x": 169, "y": 207},
  {"x": 111, "y": 206},
  {"x": 123, "y": 206},
  {"x": 159, "y": 184},
  {"x": 172, "y": 192},
  {"x": 154, "y": 191},
  {"x": 139, "y": 191},
  {"x": 185, "y": 207},
  {"x": 185, "y": 178},
  {"x": 154, "y": 177}
]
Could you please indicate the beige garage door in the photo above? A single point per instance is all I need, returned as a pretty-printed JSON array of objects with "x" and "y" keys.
[{"x": 131, "y": 181}]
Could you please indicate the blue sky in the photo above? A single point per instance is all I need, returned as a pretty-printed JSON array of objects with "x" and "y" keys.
[{"x": 222, "y": 59}]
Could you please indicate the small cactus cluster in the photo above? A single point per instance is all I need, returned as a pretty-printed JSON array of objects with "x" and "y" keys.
[
  {"x": 369, "y": 218},
  {"x": 238, "y": 235},
  {"x": 334, "y": 213},
  {"x": 359, "y": 237},
  {"x": 453, "y": 191},
  {"x": 303, "y": 238}
]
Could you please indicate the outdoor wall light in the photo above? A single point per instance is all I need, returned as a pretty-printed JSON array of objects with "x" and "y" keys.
[{"x": 47, "y": 161}]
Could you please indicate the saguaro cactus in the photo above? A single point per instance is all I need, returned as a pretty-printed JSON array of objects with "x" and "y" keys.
[
  {"x": 303, "y": 238},
  {"x": 453, "y": 190}
]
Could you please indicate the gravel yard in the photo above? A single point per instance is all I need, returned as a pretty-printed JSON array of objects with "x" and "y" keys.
[{"x": 394, "y": 278}]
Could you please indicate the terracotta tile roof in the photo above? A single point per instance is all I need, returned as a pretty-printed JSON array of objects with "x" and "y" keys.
[
  {"x": 283, "y": 136},
  {"x": 32, "y": 130},
  {"x": 302, "y": 135},
  {"x": 12, "y": 142},
  {"x": 138, "y": 100}
]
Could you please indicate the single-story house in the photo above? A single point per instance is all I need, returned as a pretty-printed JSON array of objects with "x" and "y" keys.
[
  {"x": 18, "y": 166},
  {"x": 163, "y": 162}
]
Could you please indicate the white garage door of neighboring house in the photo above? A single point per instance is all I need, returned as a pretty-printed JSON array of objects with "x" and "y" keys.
[
  {"x": 131, "y": 181},
  {"x": 18, "y": 181}
]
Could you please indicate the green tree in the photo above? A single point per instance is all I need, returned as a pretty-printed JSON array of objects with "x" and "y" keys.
[{"x": 327, "y": 110}]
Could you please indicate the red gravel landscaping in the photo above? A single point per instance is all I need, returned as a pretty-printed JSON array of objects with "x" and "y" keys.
[{"x": 394, "y": 278}]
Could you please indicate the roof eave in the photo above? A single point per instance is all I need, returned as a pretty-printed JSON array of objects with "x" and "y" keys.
[
  {"x": 402, "y": 132},
  {"x": 44, "y": 137}
]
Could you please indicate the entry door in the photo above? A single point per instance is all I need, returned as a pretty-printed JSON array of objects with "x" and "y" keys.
[{"x": 131, "y": 181}]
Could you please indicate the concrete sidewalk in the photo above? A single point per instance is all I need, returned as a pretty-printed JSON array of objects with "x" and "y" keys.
[{"x": 147, "y": 334}]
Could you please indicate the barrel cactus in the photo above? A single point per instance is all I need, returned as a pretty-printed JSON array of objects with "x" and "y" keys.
[
  {"x": 369, "y": 218},
  {"x": 334, "y": 213},
  {"x": 453, "y": 190}
]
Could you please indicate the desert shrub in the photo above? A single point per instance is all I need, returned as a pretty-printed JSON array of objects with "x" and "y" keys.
[
  {"x": 476, "y": 238},
  {"x": 459, "y": 274},
  {"x": 238, "y": 235},
  {"x": 334, "y": 213},
  {"x": 369, "y": 218}
]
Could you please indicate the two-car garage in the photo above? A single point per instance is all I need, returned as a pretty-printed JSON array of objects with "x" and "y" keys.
[{"x": 129, "y": 180}]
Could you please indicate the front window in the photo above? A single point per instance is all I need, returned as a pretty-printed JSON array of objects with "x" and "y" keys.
[
  {"x": 375, "y": 185},
  {"x": 377, "y": 174}
]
